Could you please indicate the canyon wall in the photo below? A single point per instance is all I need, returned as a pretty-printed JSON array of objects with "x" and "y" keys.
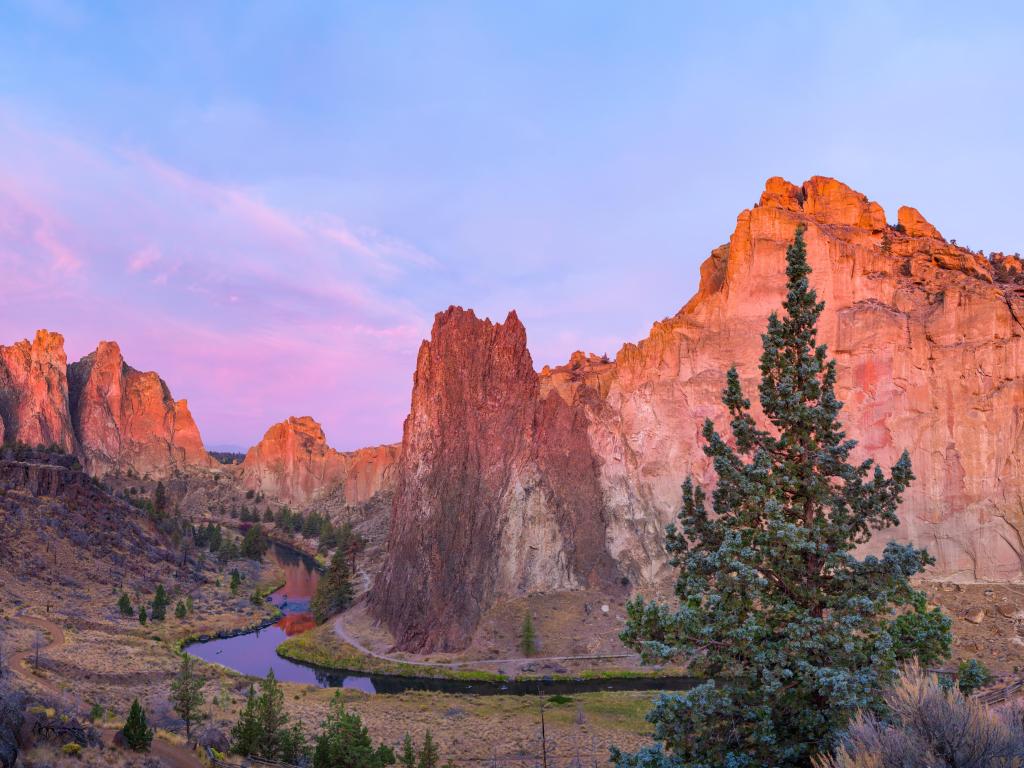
[
  {"x": 127, "y": 419},
  {"x": 930, "y": 351},
  {"x": 293, "y": 463},
  {"x": 99, "y": 409}
]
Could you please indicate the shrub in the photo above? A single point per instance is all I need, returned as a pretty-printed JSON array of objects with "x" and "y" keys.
[
  {"x": 930, "y": 727},
  {"x": 972, "y": 675}
]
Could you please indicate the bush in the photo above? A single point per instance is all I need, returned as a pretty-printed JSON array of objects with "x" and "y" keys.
[
  {"x": 972, "y": 675},
  {"x": 930, "y": 727}
]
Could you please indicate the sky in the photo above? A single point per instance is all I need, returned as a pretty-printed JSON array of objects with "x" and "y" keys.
[{"x": 267, "y": 202}]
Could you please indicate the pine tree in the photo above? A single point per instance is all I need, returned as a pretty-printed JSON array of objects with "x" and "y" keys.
[
  {"x": 160, "y": 499},
  {"x": 271, "y": 717},
  {"x": 137, "y": 733},
  {"x": 334, "y": 590},
  {"x": 255, "y": 544},
  {"x": 428, "y": 753},
  {"x": 160, "y": 602},
  {"x": 408, "y": 757},
  {"x": 527, "y": 636},
  {"x": 245, "y": 735},
  {"x": 187, "y": 693},
  {"x": 142, "y": 614},
  {"x": 345, "y": 742},
  {"x": 124, "y": 604},
  {"x": 180, "y": 611},
  {"x": 793, "y": 631},
  {"x": 236, "y": 581}
]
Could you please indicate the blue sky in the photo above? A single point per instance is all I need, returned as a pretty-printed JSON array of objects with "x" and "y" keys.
[{"x": 267, "y": 202}]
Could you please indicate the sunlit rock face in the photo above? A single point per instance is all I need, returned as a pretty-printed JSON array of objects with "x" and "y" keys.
[
  {"x": 126, "y": 419},
  {"x": 34, "y": 392},
  {"x": 512, "y": 482},
  {"x": 293, "y": 463},
  {"x": 497, "y": 490}
]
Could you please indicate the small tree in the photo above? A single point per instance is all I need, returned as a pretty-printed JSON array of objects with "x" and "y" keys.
[
  {"x": 527, "y": 636},
  {"x": 344, "y": 741},
  {"x": 180, "y": 611},
  {"x": 255, "y": 544},
  {"x": 160, "y": 603},
  {"x": 408, "y": 757},
  {"x": 245, "y": 734},
  {"x": 160, "y": 498},
  {"x": 429, "y": 757},
  {"x": 972, "y": 675},
  {"x": 124, "y": 605},
  {"x": 187, "y": 693},
  {"x": 334, "y": 590},
  {"x": 137, "y": 733},
  {"x": 236, "y": 581},
  {"x": 271, "y": 717},
  {"x": 792, "y": 630},
  {"x": 142, "y": 614}
]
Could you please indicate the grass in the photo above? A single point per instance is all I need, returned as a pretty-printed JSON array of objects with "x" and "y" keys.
[{"x": 323, "y": 648}]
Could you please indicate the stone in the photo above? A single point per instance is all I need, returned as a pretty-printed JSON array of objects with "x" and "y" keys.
[
  {"x": 915, "y": 225},
  {"x": 975, "y": 617},
  {"x": 127, "y": 419},
  {"x": 293, "y": 463}
]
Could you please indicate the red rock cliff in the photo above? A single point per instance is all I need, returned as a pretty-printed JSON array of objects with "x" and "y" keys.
[
  {"x": 34, "y": 392},
  {"x": 497, "y": 490},
  {"x": 127, "y": 419},
  {"x": 930, "y": 351},
  {"x": 293, "y": 463}
]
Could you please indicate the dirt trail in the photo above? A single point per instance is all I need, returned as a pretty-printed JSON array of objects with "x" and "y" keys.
[
  {"x": 172, "y": 755},
  {"x": 345, "y": 636}
]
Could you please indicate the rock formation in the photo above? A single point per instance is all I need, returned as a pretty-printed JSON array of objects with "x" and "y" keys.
[
  {"x": 930, "y": 351},
  {"x": 293, "y": 463},
  {"x": 34, "y": 392},
  {"x": 127, "y": 419},
  {"x": 497, "y": 489}
]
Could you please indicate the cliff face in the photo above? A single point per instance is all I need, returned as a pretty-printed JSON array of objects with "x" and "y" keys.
[
  {"x": 126, "y": 418},
  {"x": 293, "y": 463},
  {"x": 495, "y": 487},
  {"x": 930, "y": 351},
  {"x": 34, "y": 392}
]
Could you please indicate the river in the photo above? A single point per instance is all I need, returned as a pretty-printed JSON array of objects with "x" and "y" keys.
[{"x": 254, "y": 653}]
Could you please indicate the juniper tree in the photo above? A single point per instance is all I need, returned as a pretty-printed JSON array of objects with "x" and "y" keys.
[
  {"x": 793, "y": 631},
  {"x": 124, "y": 604},
  {"x": 345, "y": 741},
  {"x": 137, "y": 733},
  {"x": 160, "y": 603},
  {"x": 187, "y": 693},
  {"x": 334, "y": 591}
]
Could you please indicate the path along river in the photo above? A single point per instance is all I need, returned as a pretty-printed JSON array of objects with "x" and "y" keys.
[{"x": 254, "y": 653}]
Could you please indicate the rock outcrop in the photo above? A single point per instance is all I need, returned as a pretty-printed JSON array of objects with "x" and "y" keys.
[
  {"x": 294, "y": 464},
  {"x": 34, "y": 392},
  {"x": 497, "y": 489},
  {"x": 930, "y": 351},
  {"x": 127, "y": 419}
]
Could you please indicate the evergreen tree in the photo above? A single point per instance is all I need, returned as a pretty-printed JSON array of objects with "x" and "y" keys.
[
  {"x": 793, "y": 631},
  {"x": 408, "y": 757},
  {"x": 428, "y": 753},
  {"x": 271, "y": 717},
  {"x": 137, "y": 733},
  {"x": 344, "y": 742},
  {"x": 160, "y": 602},
  {"x": 142, "y": 614},
  {"x": 124, "y": 604},
  {"x": 187, "y": 693},
  {"x": 527, "y": 636},
  {"x": 334, "y": 590},
  {"x": 180, "y": 611},
  {"x": 255, "y": 544},
  {"x": 160, "y": 499},
  {"x": 236, "y": 581},
  {"x": 245, "y": 735}
]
